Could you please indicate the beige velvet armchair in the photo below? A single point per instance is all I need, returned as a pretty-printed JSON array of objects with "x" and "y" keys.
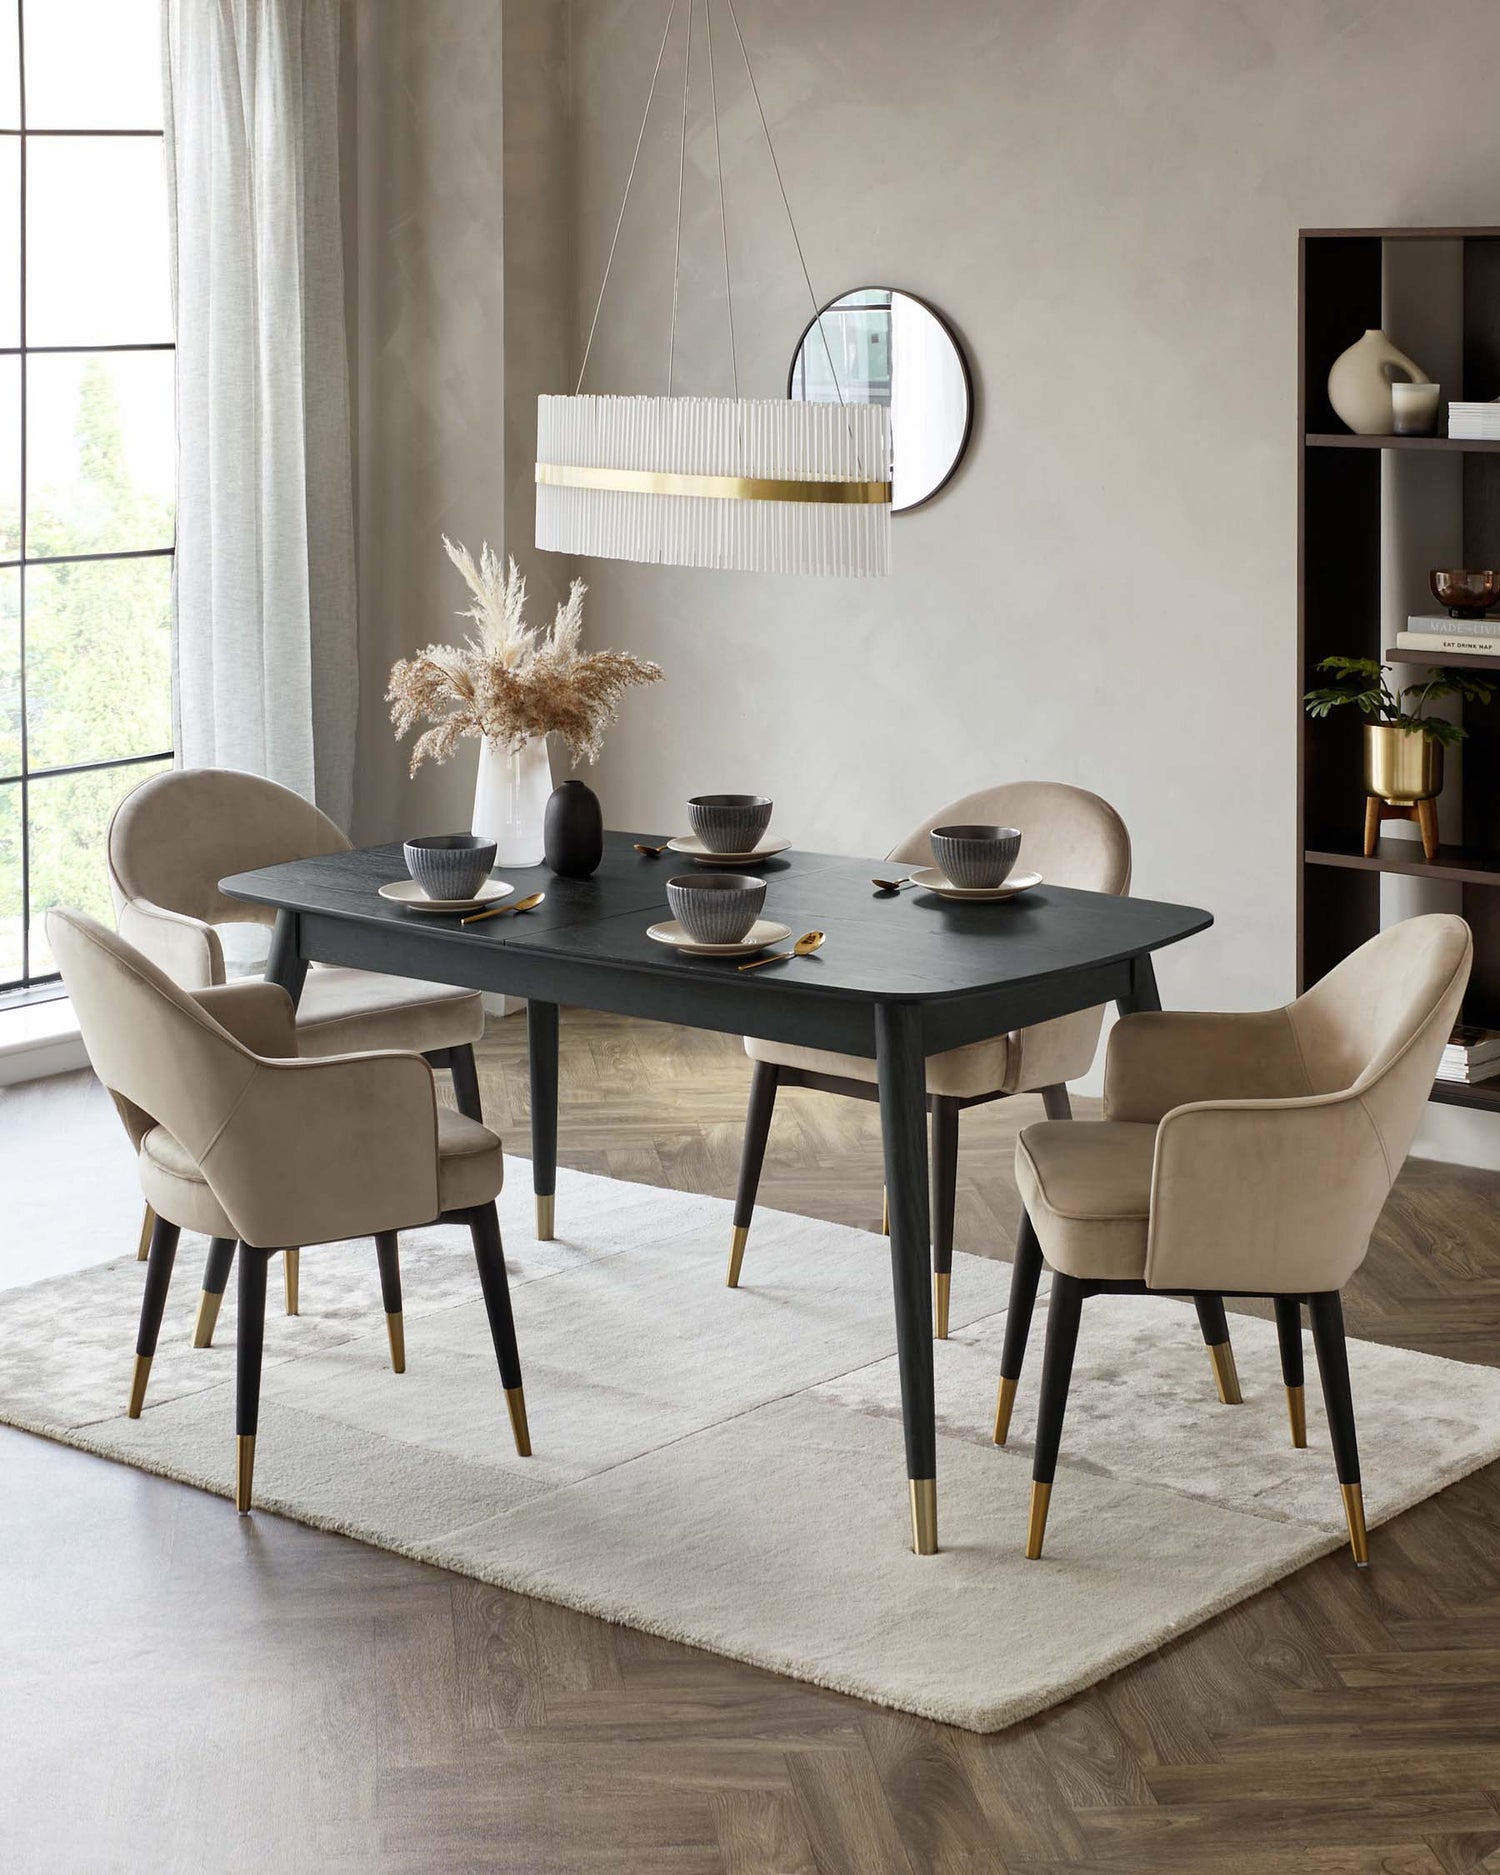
[
  {"x": 1072, "y": 838},
  {"x": 171, "y": 841},
  {"x": 241, "y": 1140},
  {"x": 1239, "y": 1154}
]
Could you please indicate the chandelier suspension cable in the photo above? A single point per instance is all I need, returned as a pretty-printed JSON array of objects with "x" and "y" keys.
[
  {"x": 713, "y": 92},
  {"x": 625, "y": 199},
  {"x": 687, "y": 72}
]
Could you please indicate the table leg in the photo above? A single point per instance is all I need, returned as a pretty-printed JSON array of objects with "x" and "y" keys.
[
  {"x": 541, "y": 1040},
  {"x": 1142, "y": 994},
  {"x": 283, "y": 965},
  {"x": 903, "y": 1126}
]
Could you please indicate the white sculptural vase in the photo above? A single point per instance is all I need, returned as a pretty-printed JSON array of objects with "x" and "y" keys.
[
  {"x": 1359, "y": 385},
  {"x": 511, "y": 793}
]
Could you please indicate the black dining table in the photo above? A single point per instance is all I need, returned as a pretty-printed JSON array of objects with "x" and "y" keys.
[{"x": 900, "y": 977}]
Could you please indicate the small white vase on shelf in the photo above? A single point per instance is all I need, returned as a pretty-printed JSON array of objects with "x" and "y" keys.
[
  {"x": 1359, "y": 385},
  {"x": 511, "y": 793}
]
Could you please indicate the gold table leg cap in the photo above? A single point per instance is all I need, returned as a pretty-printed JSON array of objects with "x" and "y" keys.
[
  {"x": 515, "y": 1404},
  {"x": 395, "y": 1328},
  {"x": 148, "y": 1224},
  {"x": 138, "y": 1386},
  {"x": 291, "y": 1269},
  {"x": 942, "y": 1281},
  {"x": 1354, "y": 1516},
  {"x": 737, "y": 1254},
  {"x": 244, "y": 1471},
  {"x": 924, "y": 1516},
  {"x": 1003, "y": 1405},
  {"x": 1226, "y": 1375},
  {"x": 1036, "y": 1528},
  {"x": 208, "y": 1315},
  {"x": 546, "y": 1212},
  {"x": 1296, "y": 1413}
]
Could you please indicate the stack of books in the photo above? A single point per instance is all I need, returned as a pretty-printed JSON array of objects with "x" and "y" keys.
[
  {"x": 1435, "y": 635},
  {"x": 1474, "y": 423},
  {"x": 1471, "y": 1054}
]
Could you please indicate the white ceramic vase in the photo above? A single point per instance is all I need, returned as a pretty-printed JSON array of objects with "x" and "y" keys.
[
  {"x": 511, "y": 793},
  {"x": 1359, "y": 385}
]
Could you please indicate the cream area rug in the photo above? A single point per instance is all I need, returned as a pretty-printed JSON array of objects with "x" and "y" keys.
[{"x": 725, "y": 1467}]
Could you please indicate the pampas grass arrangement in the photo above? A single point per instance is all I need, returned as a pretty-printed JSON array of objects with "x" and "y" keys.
[{"x": 507, "y": 681}]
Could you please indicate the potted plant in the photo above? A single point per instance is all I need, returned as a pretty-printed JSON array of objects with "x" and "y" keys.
[
  {"x": 510, "y": 684},
  {"x": 1403, "y": 743}
]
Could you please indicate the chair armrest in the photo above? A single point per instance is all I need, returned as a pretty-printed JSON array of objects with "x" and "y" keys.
[
  {"x": 1167, "y": 1058},
  {"x": 324, "y": 1149},
  {"x": 259, "y": 1015},
  {"x": 1265, "y": 1196},
  {"x": 186, "y": 948}
]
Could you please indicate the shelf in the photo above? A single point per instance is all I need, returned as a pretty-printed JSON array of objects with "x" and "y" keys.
[
  {"x": 1460, "y": 660},
  {"x": 1449, "y": 445},
  {"x": 1484, "y": 1094},
  {"x": 1456, "y": 864}
]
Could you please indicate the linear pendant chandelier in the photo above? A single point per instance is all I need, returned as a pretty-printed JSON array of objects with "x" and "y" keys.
[{"x": 764, "y": 485}]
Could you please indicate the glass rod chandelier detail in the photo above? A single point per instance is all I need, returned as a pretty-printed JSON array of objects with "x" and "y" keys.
[{"x": 762, "y": 485}]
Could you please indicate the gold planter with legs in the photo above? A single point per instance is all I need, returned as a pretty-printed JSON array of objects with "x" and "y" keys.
[{"x": 1403, "y": 778}]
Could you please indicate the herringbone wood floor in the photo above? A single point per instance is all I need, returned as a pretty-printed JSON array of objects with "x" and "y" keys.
[{"x": 182, "y": 1689}]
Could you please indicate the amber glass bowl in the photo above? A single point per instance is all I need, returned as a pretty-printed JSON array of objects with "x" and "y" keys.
[{"x": 1466, "y": 595}]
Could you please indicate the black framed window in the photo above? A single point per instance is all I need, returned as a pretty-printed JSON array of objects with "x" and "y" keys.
[{"x": 87, "y": 451}]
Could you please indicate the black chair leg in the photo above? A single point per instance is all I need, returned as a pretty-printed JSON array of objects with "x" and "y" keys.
[
  {"x": 389, "y": 1258},
  {"x": 1215, "y": 1326},
  {"x": 489, "y": 1255},
  {"x": 159, "y": 1260},
  {"x": 1025, "y": 1274},
  {"x": 945, "y": 1112},
  {"x": 1326, "y": 1312},
  {"x": 1289, "y": 1334},
  {"x": 465, "y": 1081},
  {"x": 215, "y": 1281},
  {"x": 250, "y": 1336},
  {"x": 764, "y": 1077},
  {"x": 1064, "y": 1310}
]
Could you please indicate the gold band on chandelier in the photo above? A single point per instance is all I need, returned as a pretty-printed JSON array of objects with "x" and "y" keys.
[{"x": 714, "y": 487}]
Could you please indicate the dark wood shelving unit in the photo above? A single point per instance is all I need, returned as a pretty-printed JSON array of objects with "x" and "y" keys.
[{"x": 1367, "y": 505}]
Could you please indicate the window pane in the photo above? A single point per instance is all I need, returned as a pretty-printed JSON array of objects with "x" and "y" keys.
[
  {"x": 100, "y": 452},
  {"x": 10, "y": 65},
  {"x": 10, "y": 671},
  {"x": 10, "y": 239},
  {"x": 98, "y": 661},
  {"x": 10, "y": 884},
  {"x": 96, "y": 241},
  {"x": 93, "y": 65},
  {"x": 68, "y": 818},
  {"x": 10, "y": 455}
]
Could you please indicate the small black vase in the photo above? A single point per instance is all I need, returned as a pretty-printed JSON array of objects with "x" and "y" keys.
[{"x": 573, "y": 831}]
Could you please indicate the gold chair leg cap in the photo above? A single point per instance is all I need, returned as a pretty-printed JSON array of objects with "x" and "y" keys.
[
  {"x": 737, "y": 1254},
  {"x": 208, "y": 1316},
  {"x": 1003, "y": 1406},
  {"x": 1226, "y": 1375},
  {"x": 1036, "y": 1528},
  {"x": 885, "y": 1213},
  {"x": 291, "y": 1269},
  {"x": 395, "y": 1328},
  {"x": 1296, "y": 1413},
  {"x": 1354, "y": 1516},
  {"x": 138, "y": 1386},
  {"x": 515, "y": 1405},
  {"x": 546, "y": 1216},
  {"x": 244, "y": 1471},
  {"x": 942, "y": 1281},
  {"x": 148, "y": 1225},
  {"x": 924, "y": 1516}
]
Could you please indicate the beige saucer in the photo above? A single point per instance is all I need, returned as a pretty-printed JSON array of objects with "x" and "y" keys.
[
  {"x": 763, "y": 932},
  {"x": 408, "y": 893},
  {"x": 931, "y": 880},
  {"x": 690, "y": 845}
]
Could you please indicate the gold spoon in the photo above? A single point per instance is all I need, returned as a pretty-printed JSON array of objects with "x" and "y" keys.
[
  {"x": 521, "y": 904},
  {"x": 893, "y": 885},
  {"x": 804, "y": 947},
  {"x": 652, "y": 852}
]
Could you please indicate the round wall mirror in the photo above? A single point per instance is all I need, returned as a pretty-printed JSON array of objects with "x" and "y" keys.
[{"x": 879, "y": 346}]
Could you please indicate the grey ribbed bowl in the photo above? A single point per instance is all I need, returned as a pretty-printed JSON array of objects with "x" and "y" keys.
[
  {"x": 976, "y": 857},
  {"x": 450, "y": 865},
  {"x": 729, "y": 823},
  {"x": 716, "y": 907}
]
